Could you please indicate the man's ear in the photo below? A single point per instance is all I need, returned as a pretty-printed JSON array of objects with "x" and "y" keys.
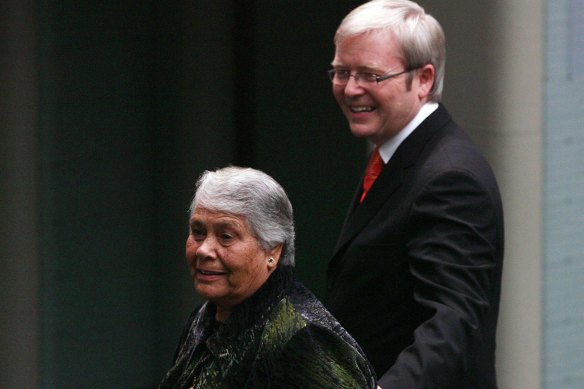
[{"x": 426, "y": 77}]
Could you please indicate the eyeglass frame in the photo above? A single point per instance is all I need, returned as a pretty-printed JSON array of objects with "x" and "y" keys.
[{"x": 378, "y": 79}]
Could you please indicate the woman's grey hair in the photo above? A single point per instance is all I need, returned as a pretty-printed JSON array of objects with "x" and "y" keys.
[
  {"x": 258, "y": 198},
  {"x": 420, "y": 36}
]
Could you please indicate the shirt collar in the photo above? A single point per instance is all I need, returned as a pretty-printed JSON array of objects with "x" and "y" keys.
[{"x": 387, "y": 149}]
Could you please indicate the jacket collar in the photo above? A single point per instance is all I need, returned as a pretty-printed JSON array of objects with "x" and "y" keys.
[
  {"x": 391, "y": 177},
  {"x": 245, "y": 315}
]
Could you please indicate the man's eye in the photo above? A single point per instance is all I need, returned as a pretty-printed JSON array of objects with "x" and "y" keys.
[
  {"x": 369, "y": 77},
  {"x": 343, "y": 74}
]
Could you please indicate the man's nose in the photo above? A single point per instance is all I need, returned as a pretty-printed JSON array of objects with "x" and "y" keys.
[{"x": 352, "y": 87}]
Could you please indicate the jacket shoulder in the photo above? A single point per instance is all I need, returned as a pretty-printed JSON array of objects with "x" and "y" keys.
[{"x": 303, "y": 346}]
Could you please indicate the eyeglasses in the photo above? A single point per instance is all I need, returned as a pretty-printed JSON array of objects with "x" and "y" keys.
[{"x": 341, "y": 77}]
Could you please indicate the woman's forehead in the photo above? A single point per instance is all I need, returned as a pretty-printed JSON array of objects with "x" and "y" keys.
[{"x": 206, "y": 216}]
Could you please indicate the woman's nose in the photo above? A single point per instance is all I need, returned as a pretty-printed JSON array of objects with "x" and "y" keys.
[{"x": 206, "y": 248}]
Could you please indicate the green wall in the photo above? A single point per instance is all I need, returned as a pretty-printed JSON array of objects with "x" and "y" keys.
[{"x": 136, "y": 99}]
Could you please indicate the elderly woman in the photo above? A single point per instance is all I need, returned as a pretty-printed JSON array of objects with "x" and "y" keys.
[{"x": 259, "y": 327}]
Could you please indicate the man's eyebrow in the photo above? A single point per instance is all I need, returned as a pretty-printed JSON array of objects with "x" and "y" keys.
[{"x": 370, "y": 68}]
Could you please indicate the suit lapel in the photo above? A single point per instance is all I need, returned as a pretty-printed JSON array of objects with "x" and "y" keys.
[
  {"x": 361, "y": 213},
  {"x": 390, "y": 179}
]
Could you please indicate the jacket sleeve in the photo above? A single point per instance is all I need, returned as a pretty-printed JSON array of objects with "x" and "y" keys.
[
  {"x": 317, "y": 358},
  {"x": 455, "y": 250}
]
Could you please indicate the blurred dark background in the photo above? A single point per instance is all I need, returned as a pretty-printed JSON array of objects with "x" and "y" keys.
[
  {"x": 134, "y": 100},
  {"x": 111, "y": 109}
]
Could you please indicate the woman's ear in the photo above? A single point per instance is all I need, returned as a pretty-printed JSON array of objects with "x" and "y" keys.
[{"x": 274, "y": 256}]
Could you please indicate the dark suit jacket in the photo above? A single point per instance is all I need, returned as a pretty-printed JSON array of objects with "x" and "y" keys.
[{"x": 416, "y": 274}]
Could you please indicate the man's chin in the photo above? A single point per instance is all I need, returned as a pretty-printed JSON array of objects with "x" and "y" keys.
[{"x": 361, "y": 131}]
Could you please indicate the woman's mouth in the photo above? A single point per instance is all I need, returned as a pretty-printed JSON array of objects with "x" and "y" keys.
[{"x": 210, "y": 272}]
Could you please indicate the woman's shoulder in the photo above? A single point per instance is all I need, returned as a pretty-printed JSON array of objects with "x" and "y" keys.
[
  {"x": 300, "y": 313},
  {"x": 313, "y": 311},
  {"x": 302, "y": 336}
]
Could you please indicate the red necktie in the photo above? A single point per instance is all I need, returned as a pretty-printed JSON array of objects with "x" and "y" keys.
[{"x": 374, "y": 168}]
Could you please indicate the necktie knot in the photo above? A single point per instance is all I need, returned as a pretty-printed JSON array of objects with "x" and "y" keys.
[{"x": 373, "y": 170}]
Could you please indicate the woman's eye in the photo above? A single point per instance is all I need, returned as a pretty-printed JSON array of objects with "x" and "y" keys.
[
  {"x": 198, "y": 234},
  {"x": 226, "y": 237}
]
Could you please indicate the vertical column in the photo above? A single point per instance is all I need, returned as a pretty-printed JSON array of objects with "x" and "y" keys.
[
  {"x": 96, "y": 189},
  {"x": 494, "y": 88},
  {"x": 515, "y": 115},
  {"x": 19, "y": 266},
  {"x": 564, "y": 196}
]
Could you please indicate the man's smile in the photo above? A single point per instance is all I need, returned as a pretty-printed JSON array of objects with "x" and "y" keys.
[{"x": 361, "y": 108}]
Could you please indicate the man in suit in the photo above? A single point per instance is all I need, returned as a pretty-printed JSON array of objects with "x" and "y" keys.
[{"x": 416, "y": 273}]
